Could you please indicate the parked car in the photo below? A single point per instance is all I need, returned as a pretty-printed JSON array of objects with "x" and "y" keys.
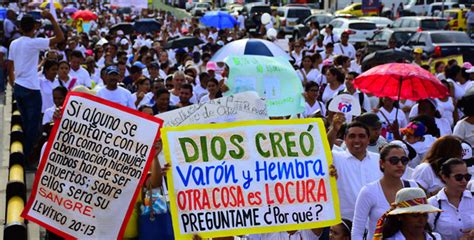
[
  {"x": 354, "y": 9},
  {"x": 380, "y": 40},
  {"x": 290, "y": 16},
  {"x": 359, "y": 30},
  {"x": 437, "y": 7},
  {"x": 254, "y": 11},
  {"x": 421, "y": 23},
  {"x": 303, "y": 28},
  {"x": 456, "y": 18},
  {"x": 442, "y": 44},
  {"x": 380, "y": 22},
  {"x": 200, "y": 9}
]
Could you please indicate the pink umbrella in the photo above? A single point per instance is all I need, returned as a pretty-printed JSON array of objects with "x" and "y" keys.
[{"x": 400, "y": 81}]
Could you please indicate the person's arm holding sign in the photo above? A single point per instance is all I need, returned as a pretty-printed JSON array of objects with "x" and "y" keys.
[
  {"x": 336, "y": 125},
  {"x": 157, "y": 172}
]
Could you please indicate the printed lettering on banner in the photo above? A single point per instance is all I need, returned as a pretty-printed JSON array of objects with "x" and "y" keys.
[
  {"x": 250, "y": 177},
  {"x": 89, "y": 176}
]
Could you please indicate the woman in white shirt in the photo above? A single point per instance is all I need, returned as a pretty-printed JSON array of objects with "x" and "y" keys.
[
  {"x": 387, "y": 113},
  {"x": 430, "y": 107},
  {"x": 307, "y": 72},
  {"x": 465, "y": 128},
  {"x": 312, "y": 35},
  {"x": 143, "y": 96},
  {"x": 426, "y": 174},
  {"x": 374, "y": 199},
  {"x": 457, "y": 219},
  {"x": 335, "y": 79},
  {"x": 48, "y": 83},
  {"x": 63, "y": 76},
  {"x": 297, "y": 54},
  {"x": 312, "y": 104},
  {"x": 213, "y": 91}
]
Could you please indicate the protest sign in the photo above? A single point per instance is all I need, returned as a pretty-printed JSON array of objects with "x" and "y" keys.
[
  {"x": 241, "y": 106},
  {"x": 345, "y": 103},
  {"x": 250, "y": 177},
  {"x": 89, "y": 176},
  {"x": 272, "y": 78}
]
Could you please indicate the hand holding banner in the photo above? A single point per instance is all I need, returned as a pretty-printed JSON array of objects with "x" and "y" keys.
[
  {"x": 272, "y": 78},
  {"x": 250, "y": 177},
  {"x": 89, "y": 176}
]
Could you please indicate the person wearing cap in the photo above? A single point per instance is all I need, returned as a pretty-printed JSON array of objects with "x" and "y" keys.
[
  {"x": 22, "y": 65},
  {"x": 113, "y": 92},
  {"x": 407, "y": 217},
  {"x": 344, "y": 47},
  {"x": 457, "y": 219},
  {"x": 374, "y": 198},
  {"x": 415, "y": 135},
  {"x": 417, "y": 56}
]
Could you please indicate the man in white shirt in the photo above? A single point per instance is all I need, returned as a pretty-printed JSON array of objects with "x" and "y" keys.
[
  {"x": 355, "y": 166},
  {"x": 77, "y": 71},
  {"x": 358, "y": 95},
  {"x": 344, "y": 47},
  {"x": 23, "y": 61},
  {"x": 113, "y": 92},
  {"x": 9, "y": 28}
]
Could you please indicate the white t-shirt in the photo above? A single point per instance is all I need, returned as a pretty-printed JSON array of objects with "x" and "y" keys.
[
  {"x": 120, "y": 95},
  {"x": 422, "y": 147},
  {"x": 446, "y": 109},
  {"x": 353, "y": 175},
  {"x": 443, "y": 123},
  {"x": 348, "y": 50},
  {"x": 426, "y": 178},
  {"x": 83, "y": 77},
  {"x": 199, "y": 91},
  {"x": 308, "y": 109},
  {"x": 297, "y": 57},
  {"x": 48, "y": 115},
  {"x": 330, "y": 38},
  {"x": 174, "y": 100},
  {"x": 24, "y": 52},
  {"x": 312, "y": 75},
  {"x": 146, "y": 100},
  {"x": 371, "y": 204},
  {"x": 465, "y": 131},
  {"x": 47, "y": 88},
  {"x": 328, "y": 93}
]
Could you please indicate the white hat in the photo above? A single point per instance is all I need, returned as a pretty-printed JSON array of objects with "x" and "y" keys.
[
  {"x": 412, "y": 200},
  {"x": 123, "y": 41}
]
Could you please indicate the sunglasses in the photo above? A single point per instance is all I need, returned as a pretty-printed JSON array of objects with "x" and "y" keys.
[
  {"x": 460, "y": 177},
  {"x": 395, "y": 160}
]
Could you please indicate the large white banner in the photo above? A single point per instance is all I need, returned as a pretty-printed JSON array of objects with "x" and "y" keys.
[{"x": 89, "y": 176}]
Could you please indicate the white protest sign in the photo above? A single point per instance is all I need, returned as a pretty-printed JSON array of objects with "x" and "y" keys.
[
  {"x": 238, "y": 107},
  {"x": 345, "y": 103},
  {"x": 89, "y": 176}
]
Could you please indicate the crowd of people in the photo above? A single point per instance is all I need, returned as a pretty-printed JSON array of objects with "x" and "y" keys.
[{"x": 403, "y": 168}]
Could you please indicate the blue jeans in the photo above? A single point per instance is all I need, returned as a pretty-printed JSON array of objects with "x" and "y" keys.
[{"x": 29, "y": 104}]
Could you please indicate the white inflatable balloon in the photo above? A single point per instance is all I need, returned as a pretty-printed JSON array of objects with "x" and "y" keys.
[
  {"x": 271, "y": 33},
  {"x": 266, "y": 18}
]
